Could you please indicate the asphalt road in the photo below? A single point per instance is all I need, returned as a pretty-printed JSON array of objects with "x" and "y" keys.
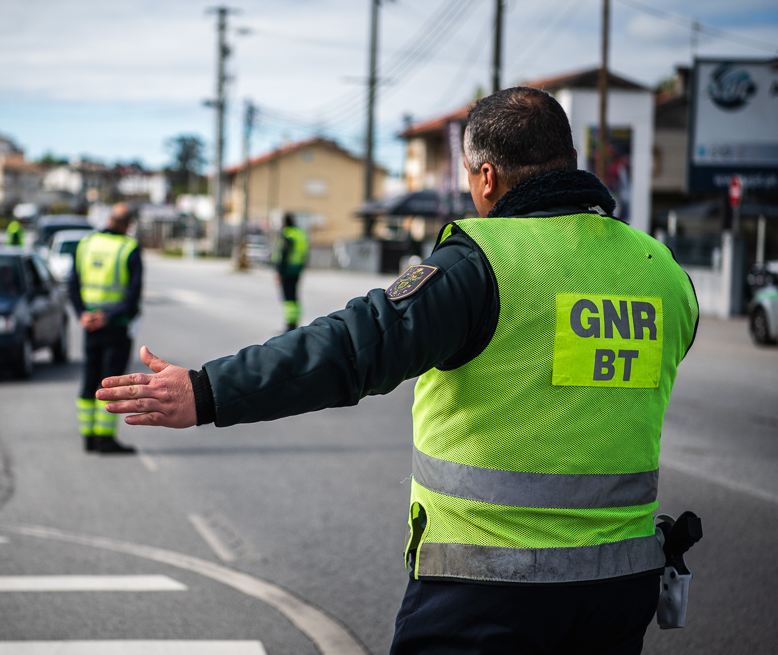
[{"x": 286, "y": 537}]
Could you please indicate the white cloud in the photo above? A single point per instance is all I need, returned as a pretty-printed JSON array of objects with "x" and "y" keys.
[{"x": 152, "y": 63}]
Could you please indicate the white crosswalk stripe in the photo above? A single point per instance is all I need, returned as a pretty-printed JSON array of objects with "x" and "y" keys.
[
  {"x": 167, "y": 647},
  {"x": 19, "y": 583}
]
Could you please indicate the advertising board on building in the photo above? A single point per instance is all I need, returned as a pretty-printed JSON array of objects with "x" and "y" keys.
[
  {"x": 618, "y": 164},
  {"x": 734, "y": 125}
]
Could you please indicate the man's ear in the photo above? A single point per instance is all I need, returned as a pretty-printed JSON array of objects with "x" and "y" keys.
[
  {"x": 488, "y": 180},
  {"x": 493, "y": 188}
]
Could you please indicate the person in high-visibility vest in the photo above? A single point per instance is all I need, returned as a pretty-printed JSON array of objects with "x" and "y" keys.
[
  {"x": 546, "y": 335},
  {"x": 290, "y": 256},
  {"x": 105, "y": 291},
  {"x": 14, "y": 233}
]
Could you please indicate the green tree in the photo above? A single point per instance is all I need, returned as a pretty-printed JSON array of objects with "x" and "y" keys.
[
  {"x": 188, "y": 161},
  {"x": 50, "y": 159}
]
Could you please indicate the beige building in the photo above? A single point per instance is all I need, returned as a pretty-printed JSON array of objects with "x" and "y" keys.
[
  {"x": 317, "y": 180},
  {"x": 20, "y": 180},
  {"x": 427, "y": 158}
]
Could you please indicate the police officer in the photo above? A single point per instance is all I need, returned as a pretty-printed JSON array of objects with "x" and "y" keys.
[
  {"x": 547, "y": 335},
  {"x": 290, "y": 257},
  {"x": 14, "y": 233},
  {"x": 105, "y": 289}
]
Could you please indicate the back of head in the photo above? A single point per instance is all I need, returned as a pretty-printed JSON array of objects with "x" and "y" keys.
[
  {"x": 288, "y": 219},
  {"x": 523, "y": 132},
  {"x": 121, "y": 217}
]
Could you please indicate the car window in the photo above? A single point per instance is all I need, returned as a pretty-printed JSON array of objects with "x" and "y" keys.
[
  {"x": 36, "y": 282},
  {"x": 44, "y": 274},
  {"x": 68, "y": 247},
  {"x": 11, "y": 281}
]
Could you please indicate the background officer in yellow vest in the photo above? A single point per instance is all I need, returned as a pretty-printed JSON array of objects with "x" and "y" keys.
[
  {"x": 105, "y": 290},
  {"x": 14, "y": 233},
  {"x": 547, "y": 335},
  {"x": 290, "y": 256}
]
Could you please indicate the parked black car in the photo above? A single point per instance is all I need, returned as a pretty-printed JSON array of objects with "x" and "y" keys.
[{"x": 33, "y": 311}]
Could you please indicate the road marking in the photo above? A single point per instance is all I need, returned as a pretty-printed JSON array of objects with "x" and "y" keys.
[
  {"x": 187, "y": 297},
  {"x": 211, "y": 538},
  {"x": 13, "y": 583},
  {"x": 717, "y": 479},
  {"x": 328, "y": 636},
  {"x": 148, "y": 462},
  {"x": 167, "y": 647}
]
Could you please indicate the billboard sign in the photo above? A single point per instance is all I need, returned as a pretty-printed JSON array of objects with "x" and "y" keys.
[
  {"x": 618, "y": 164},
  {"x": 734, "y": 125}
]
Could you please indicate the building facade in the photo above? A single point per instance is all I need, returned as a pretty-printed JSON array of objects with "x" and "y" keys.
[{"x": 317, "y": 180}]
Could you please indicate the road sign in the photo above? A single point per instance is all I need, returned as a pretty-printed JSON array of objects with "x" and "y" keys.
[{"x": 735, "y": 191}]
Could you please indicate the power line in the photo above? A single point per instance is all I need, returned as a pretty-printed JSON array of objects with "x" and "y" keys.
[
  {"x": 700, "y": 27},
  {"x": 533, "y": 51},
  {"x": 467, "y": 63},
  {"x": 415, "y": 52},
  {"x": 416, "y": 48}
]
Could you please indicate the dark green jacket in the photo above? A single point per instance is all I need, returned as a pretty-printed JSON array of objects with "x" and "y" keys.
[{"x": 375, "y": 343}]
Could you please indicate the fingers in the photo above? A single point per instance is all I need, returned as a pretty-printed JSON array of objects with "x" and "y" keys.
[
  {"x": 152, "y": 361},
  {"x": 143, "y": 405},
  {"x": 123, "y": 386},
  {"x": 150, "y": 418}
]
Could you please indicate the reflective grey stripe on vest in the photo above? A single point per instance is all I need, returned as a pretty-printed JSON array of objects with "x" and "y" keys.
[
  {"x": 117, "y": 287},
  {"x": 537, "y": 565},
  {"x": 544, "y": 490}
]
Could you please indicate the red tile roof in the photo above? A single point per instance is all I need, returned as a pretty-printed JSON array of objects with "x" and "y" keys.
[
  {"x": 288, "y": 149},
  {"x": 581, "y": 79}
]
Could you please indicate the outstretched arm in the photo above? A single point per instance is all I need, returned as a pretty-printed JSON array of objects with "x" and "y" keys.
[{"x": 163, "y": 398}]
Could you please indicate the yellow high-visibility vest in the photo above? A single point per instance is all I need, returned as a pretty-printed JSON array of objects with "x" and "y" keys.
[
  {"x": 101, "y": 264},
  {"x": 537, "y": 461}
]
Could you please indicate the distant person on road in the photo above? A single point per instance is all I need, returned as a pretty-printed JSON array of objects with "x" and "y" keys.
[
  {"x": 547, "y": 335},
  {"x": 14, "y": 234},
  {"x": 290, "y": 256},
  {"x": 105, "y": 290}
]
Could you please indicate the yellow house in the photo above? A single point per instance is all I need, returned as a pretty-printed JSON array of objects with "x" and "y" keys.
[{"x": 317, "y": 180}]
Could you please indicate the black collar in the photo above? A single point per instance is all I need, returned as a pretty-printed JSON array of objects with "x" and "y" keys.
[{"x": 555, "y": 189}]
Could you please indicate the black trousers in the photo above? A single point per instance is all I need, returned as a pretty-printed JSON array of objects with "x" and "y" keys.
[
  {"x": 458, "y": 618},
  {"x": 106, "y": 353},
  {"x": 289, "y": 287}
]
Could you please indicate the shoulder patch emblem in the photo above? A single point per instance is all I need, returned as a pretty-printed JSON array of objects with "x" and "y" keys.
[{"x": 410, "y": 281}]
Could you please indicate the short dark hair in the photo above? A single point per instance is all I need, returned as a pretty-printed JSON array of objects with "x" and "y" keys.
[
  {"x": 123, "y": 214},
  {"x": 523, "y": 132},
  {"x": 288, "y": 219}
]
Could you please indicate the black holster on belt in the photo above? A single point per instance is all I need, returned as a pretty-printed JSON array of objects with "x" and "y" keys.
[{"x": 679, "y": 536}]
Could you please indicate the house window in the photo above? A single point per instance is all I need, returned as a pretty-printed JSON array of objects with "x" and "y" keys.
[
  {"x": 315, "y": 187},
  {"x": 307, "y": 155}
]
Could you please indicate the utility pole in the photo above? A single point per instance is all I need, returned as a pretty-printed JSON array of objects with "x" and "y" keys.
[
  {"x": 249, "y": 117},
  {"x": 248, "y": 125},
  {"x": 222, "y": 52},
  {"x": 602, "y": 132},
  {"x": 695, "y": 40},
  {"x": 371, "y": 93},
  {"x": 497, "y": 58}
]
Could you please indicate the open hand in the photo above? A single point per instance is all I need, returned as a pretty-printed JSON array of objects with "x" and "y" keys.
[{"x": 163, "y": 398}]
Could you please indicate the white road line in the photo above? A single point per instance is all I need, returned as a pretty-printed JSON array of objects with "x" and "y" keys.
[
  {"x": 211, "y": 538},
  {"x": 328, "y": 636},
  {"x": 187, "y": 297},
  {"x": 717, "y": 479},
  {"x": 14, "y": 583},
  {"x": 148, "y": 462},
  {"x": 167, "y": 647}
]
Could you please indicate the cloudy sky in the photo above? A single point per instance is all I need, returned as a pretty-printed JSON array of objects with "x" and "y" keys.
[{"x": 114, "y": 80}]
